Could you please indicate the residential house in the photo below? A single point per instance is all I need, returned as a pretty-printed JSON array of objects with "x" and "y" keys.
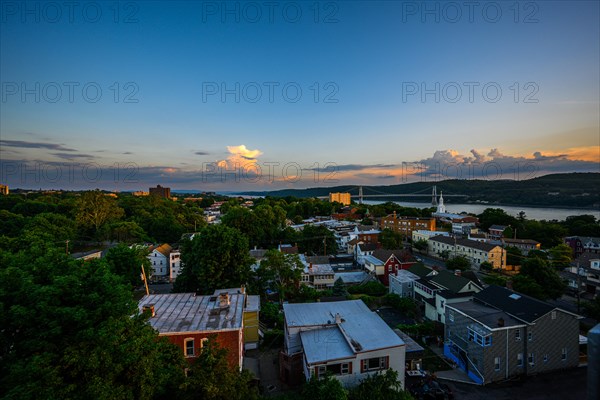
[
  {"x": 361, "y": 250},
  {"x": 288, "y": 248},
  {"x": 342, "y": 338},
  {"x": 425, "y": 235},
  {"x": 476, "y": 252},
  {"x": 402, "y": 283},
  {"x": 464, "y": 225},
  {"x": 174, "y": 264},
  {"x": 421, "y": 270},
  {"x": 525, "y": 245},
  {"x": 501, "y": 334},
  {"x": 583, "y": 275},
  {"x": 442, "y": 289},
  {"x": 188, "y": 321},
  {"x": 496, "y": 231},
  {"x": 392, "y": 261},
  {"x": 317, "y": 272},
  {"x": 583, "y": 244},
  {"x": 160, "y": 261},
  {"x": 406, "y": 225}
]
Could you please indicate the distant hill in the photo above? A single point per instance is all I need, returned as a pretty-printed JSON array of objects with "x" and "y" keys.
[{"x": 581, "y": 190}]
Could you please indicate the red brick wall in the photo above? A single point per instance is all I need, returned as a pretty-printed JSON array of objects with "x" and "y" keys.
[{"x": 230, "y": 340}]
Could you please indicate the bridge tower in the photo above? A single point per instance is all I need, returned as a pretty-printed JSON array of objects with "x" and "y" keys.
[
  {"x": 360, "y": 195},
  {"x": 434, "y": 196}
]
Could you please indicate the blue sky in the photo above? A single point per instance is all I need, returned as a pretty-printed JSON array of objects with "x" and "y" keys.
[{"x": 362, "y": 68}]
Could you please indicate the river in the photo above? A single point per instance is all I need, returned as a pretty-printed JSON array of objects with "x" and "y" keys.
[{"x": 537, "y": 213}]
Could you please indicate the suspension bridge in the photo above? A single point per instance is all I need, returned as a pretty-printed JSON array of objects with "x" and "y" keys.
[{"x": 372, "y": 193}]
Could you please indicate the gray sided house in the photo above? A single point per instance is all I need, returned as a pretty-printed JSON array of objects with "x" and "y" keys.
[{"x": 502, "y": 334}]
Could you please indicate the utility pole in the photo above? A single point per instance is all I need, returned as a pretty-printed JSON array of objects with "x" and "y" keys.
[
  {"x": 67, "y": 246},
  {"x": 325, "y": 243},
  {"x": 145, "y": 280}
]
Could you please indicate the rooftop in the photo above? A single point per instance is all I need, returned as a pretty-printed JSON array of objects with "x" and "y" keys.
[
  {"x": 421, "y": 270},
  {"x": 485, "y": 315},
  {"x": 518, "y": 305},
  {"x": 186, "y": 312},
  {"x": 357, "y": 324},
  {"x": 450, "y": 281}
]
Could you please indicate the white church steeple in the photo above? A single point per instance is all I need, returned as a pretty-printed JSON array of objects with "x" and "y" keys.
[{"x": 441, "y": 208}]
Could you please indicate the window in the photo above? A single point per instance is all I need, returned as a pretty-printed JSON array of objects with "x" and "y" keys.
[
  {"x": 517, "y": 334},
  {"x": 563, "y": 356},
  {"x": 188, "y": 347},
  {"x": 374, "y": 364},
  {"x": 345, "y": 368},
  {"x": 546, "y": 358},
  {"x": 321, "y": 370},
  {"x": 530, "y": 336},
  {"x": 497, "y": 364},
  {"x": 553, "y": 315},
  {"x": 520, "y": 360},
  {"x": 451, "y": 315},
  {"x": 531, "y": 359}
]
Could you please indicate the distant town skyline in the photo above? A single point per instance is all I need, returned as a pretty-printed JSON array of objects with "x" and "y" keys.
[{"x": 237, "y": 96}]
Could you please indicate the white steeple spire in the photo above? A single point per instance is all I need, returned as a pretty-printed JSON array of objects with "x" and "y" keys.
[{"x": 441, "y": 208}]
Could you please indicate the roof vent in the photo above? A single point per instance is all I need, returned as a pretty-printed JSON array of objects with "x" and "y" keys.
[{"x": 149, "y": 308}]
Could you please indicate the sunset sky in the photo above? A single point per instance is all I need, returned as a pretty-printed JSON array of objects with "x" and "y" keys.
[{"x": 206, "y": 95}]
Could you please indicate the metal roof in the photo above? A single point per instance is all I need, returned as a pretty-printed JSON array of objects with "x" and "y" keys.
[
  {"x": 186, "y": 312},
  {"x": 321, "y": 345},
  {"x": 363, "y": 329}
]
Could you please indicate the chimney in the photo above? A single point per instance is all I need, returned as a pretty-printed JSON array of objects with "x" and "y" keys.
[
  {"x": 457, "y": 272},
  {"x": 310, "y": 266},
  {"x": 243, "y": 289},
  {"x": 501, "y": 322},
  {"x": 224, "y": 300},
  {"x": 150, "y": 308},
  {"x": 338, "y": 318}
]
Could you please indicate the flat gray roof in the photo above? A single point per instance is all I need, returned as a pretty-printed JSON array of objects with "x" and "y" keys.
[
  {"x": 321, "y": 345},
  {"x": 186, "y": 312},
  {"x": 364, "y": 329},
  {"x": 487, "y": 316},
  {"x": 252, "y": 303}
]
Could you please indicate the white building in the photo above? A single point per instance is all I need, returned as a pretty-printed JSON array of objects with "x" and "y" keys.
[
  {"x": 342, "y": 338},
  {"x": 402, "y": 283},
  {"x": 159, "y": 260},
  {"x": 174, "y": 264}
]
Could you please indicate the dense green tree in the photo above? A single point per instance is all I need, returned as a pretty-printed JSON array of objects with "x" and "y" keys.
[
  {"x": 459, "y": 262},
  {"x": 339, "y": 288},
  {"x": 317, "y": 240},
  {"x": 538, "y": 279},
  {"x": 380, "y": 386},
  {"x": 514, "y": 256},
  {"x": 218, "y": 257},
  {"x": 11, "y": 224},
  {"x": 280, "y": 272},
  {"x": 127, "y": 263},
  {"x": 326, "y": 388},
  {"x": 592, "y": 308},
  {"x": 127, "y": 232},
  {"x": 390, "y": 239},
  {"x": 495, "y": 216},
  {"x": 95, "y": 208},
  {"x": 70, "y": 329},
  {"x": 421, "y": 245},
  {"x": 561, "y": 255},
  {"x": 210, "y": 377}
]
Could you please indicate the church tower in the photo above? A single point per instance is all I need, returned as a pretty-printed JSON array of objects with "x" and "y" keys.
[{"x": 441, "y": 208}]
